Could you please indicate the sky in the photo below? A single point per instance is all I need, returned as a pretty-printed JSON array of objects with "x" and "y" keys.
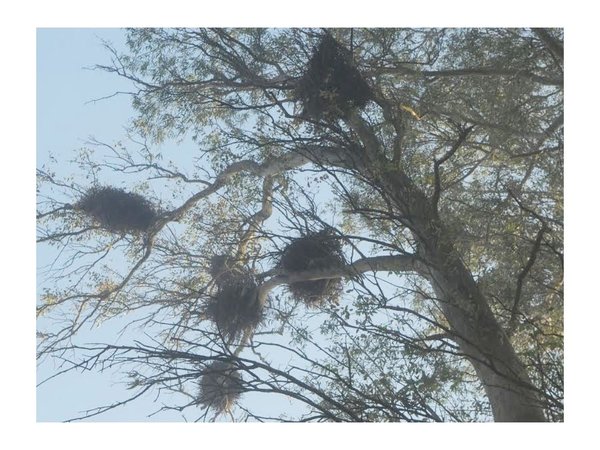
[{"x": 68, "y": 116}]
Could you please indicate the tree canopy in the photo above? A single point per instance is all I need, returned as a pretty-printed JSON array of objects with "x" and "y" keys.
[{"x": 367, "y": 223}]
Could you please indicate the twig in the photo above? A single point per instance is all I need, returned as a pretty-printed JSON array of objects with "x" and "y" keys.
[{"x": 464, "y": 132}]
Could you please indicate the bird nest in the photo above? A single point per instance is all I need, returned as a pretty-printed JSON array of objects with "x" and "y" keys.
[
  {"x": 331, "y": 86},
  {"x": 235, "y": 308},
  {"x": 117, "y": 210},
  {"x": 220, "y": 386},
  {"x": 314, "y": 251}
]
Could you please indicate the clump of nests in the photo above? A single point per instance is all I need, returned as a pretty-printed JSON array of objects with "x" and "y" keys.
[
  {"x": 220, "y": 386},
  {"x": 331, "y": 86},
  {"x": 318, "y": 250},
  {"x": 117, "y": 210},
  {"x": 235, "y": 308}
]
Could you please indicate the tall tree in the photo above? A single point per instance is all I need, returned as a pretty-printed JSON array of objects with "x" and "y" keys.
[{"x": 370, "y": 224}]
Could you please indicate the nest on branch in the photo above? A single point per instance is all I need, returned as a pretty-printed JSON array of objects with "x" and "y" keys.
[
  {"x": 117, "y": 210},
  {"x": 220, "y": 386},
  {"x": 332, "y": 85},
  {"x": 314, "y": 251},
  {"x": 235, "y": 308}
]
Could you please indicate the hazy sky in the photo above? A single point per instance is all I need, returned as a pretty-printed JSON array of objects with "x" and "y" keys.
[{"x": 66, "y": 118}]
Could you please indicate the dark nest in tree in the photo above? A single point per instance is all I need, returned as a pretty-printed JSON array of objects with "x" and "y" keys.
[
  {"x": 117, "y": 210},
  {"x": 331, "y": 85},
  {"x": 220, "y": 386},
  {"x": 235, "y": 308},
  {"x": 314, "y": 251}
]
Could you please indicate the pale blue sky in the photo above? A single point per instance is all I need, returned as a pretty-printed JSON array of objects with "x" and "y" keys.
[{"x": 66, "y": 118}]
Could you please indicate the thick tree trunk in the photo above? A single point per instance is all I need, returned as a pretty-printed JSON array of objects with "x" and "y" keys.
[
  {"x": 480, "y": 337},
  {"x": 512, "y": 396},
  {"x": 484, "y": 342}
]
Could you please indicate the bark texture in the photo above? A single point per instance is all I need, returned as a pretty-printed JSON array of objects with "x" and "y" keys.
[{"x": 511, "y": 394}]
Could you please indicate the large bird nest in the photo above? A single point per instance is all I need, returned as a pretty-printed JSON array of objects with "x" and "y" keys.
[
  {"x": 318, "y": 250},
  {"x": 117, "y": 210},
  {"x": 332, "y": 85},
  {"x": 220, "y": 386},
  {"x": 235, "y": 308}
]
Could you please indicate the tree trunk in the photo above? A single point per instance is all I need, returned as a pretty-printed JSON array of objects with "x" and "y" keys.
[
  {"x": 480, "y": 337},
  {"x": 512, "y": 396}
]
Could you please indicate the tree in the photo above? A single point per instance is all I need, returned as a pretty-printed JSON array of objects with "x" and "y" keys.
[{"x": 371, "y": 225}]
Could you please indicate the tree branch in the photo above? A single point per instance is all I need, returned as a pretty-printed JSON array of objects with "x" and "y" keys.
[
  {"x": 365, "y": 133},
  {"x": 49, "y": 213},
  {"x": 532, "y": 257},
  {"x": 270, "y": 167},
  {"x": 468, "y": 71},
  {"x": 258, "y": 218},
  {"x": 464, "y": 132},
  {"x": 394, "y": 263},
  {"x": 554, "y": 46}
]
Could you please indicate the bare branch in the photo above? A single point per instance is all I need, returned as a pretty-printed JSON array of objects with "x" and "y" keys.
[
  {"x": 464, "y": 132},
  {"x": 275, "y": 166},
  {"x": 521, "y": 278}
]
